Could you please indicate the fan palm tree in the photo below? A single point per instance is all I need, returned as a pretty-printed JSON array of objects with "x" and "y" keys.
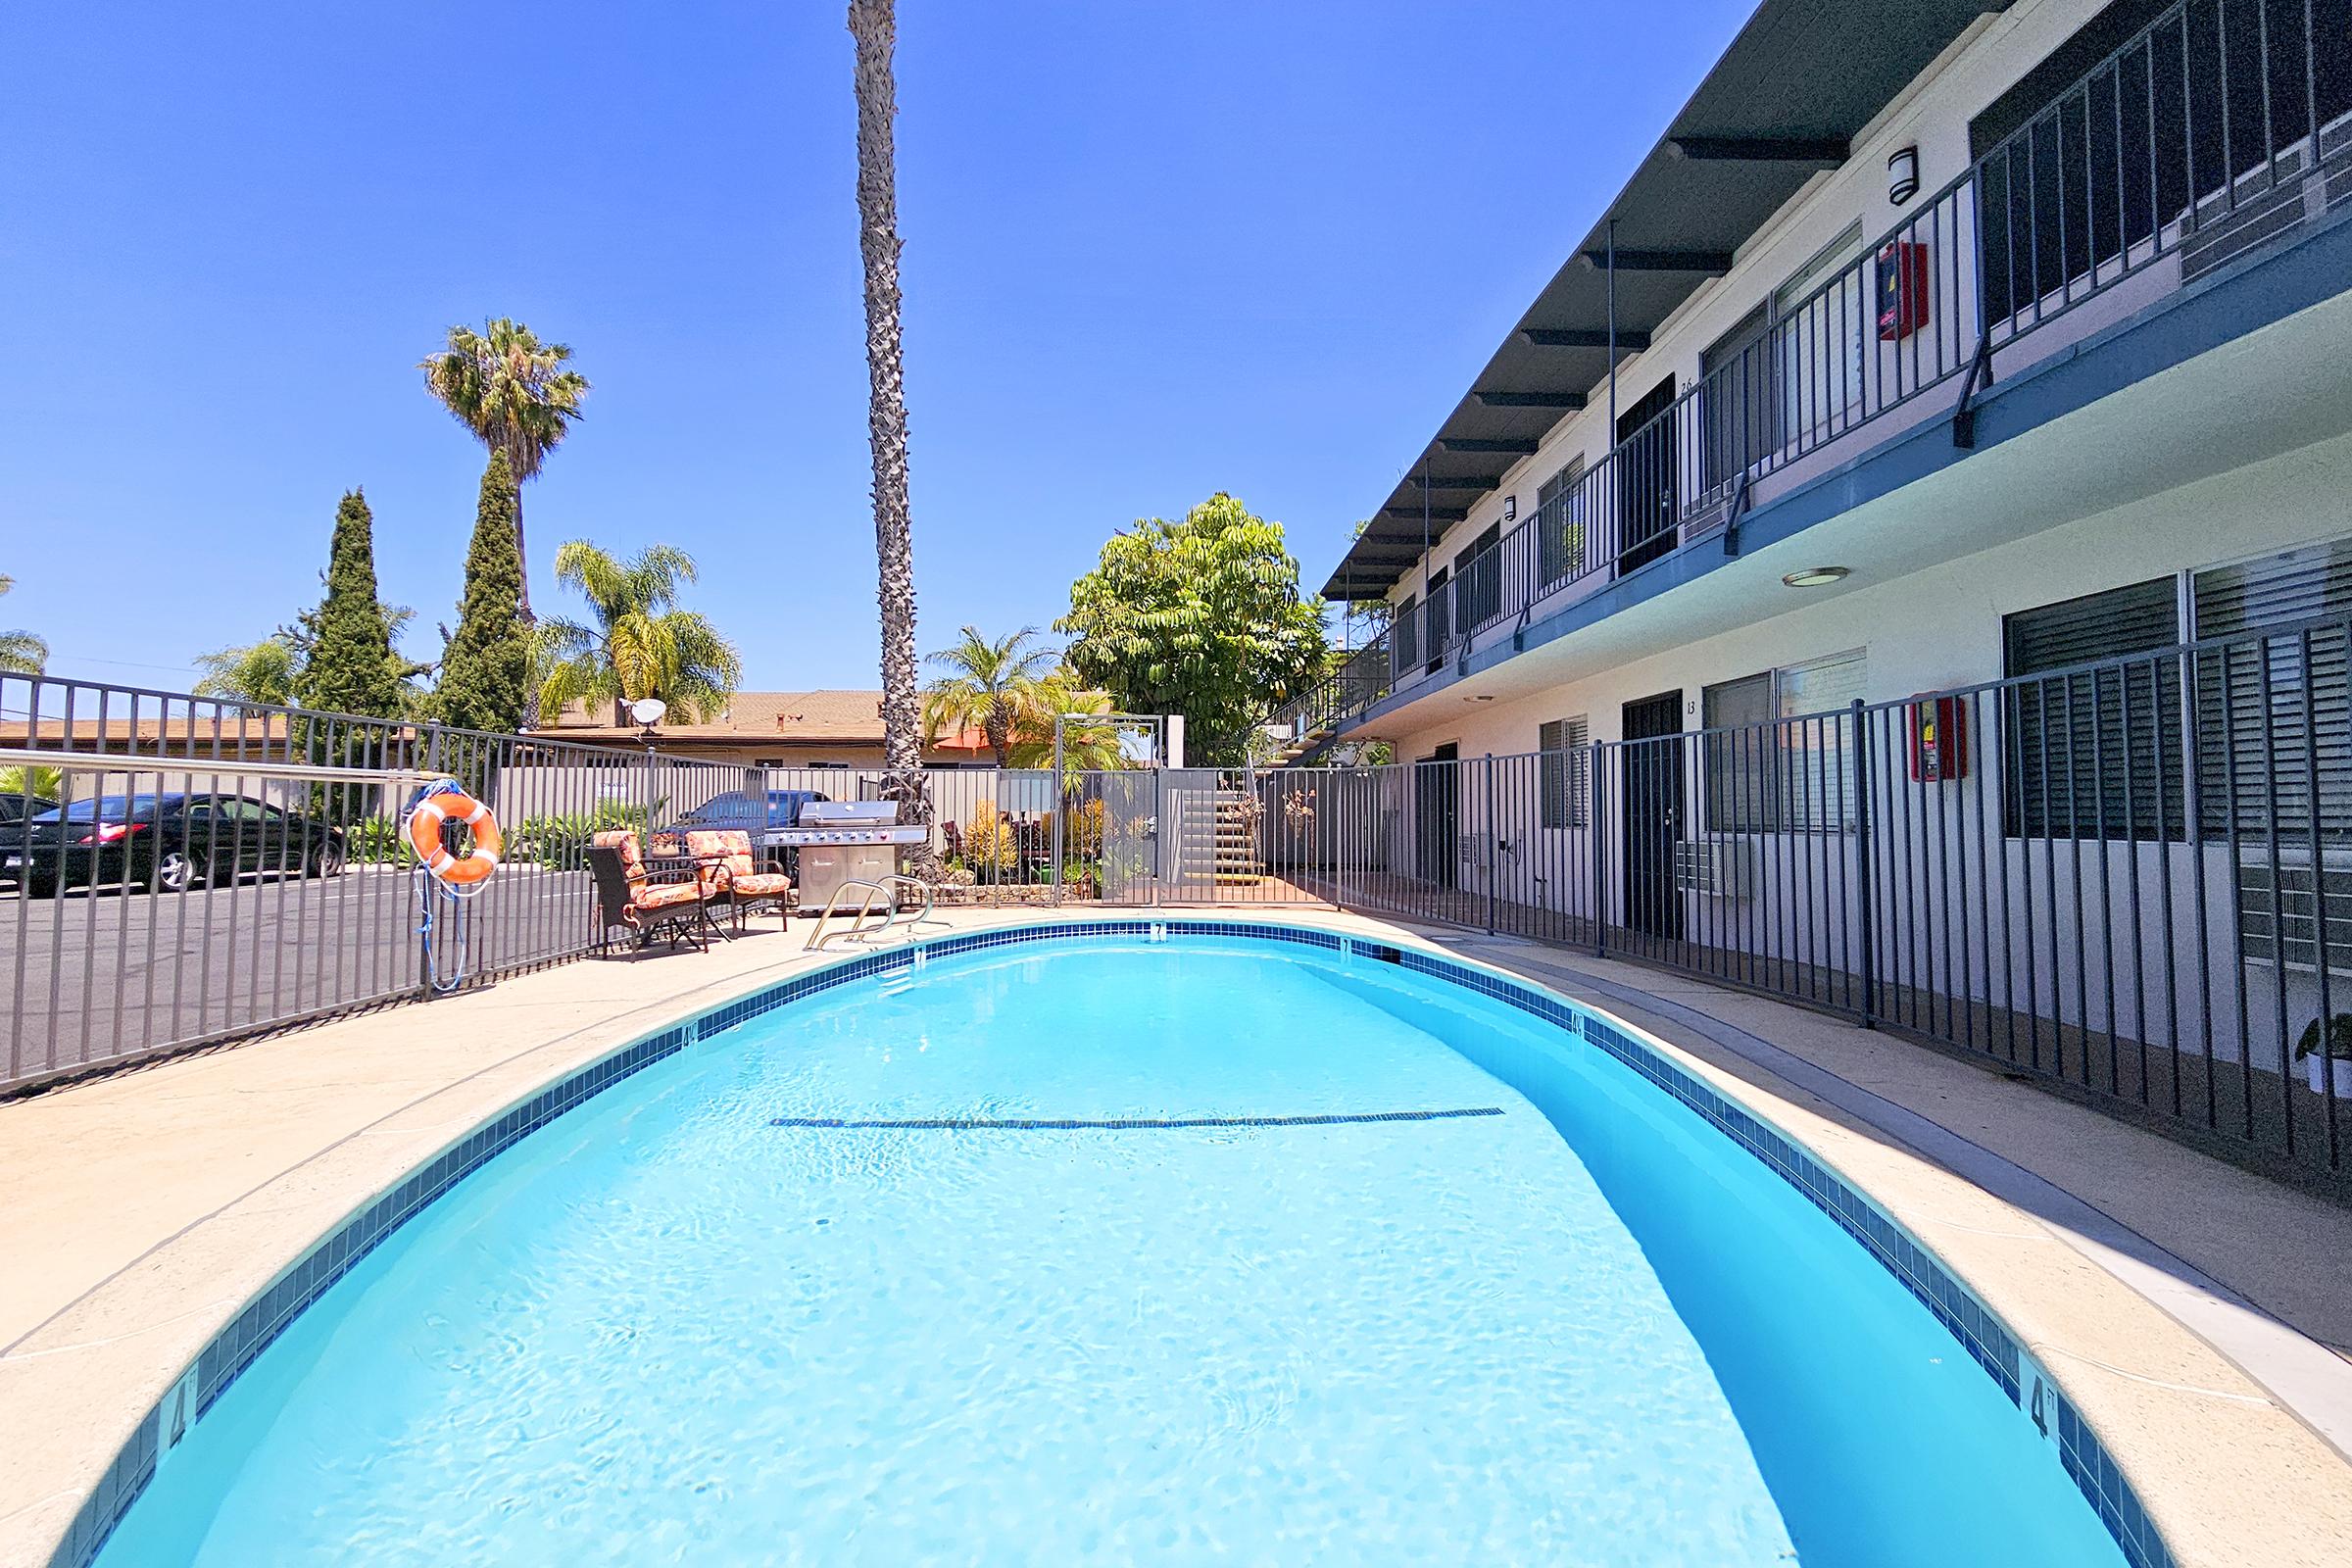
[
  {"x": 992, "y": 688},
  {"x": 873, "y": 26},
  {"x": 20, "y": 651},
  {"x": 49, "y": 784},
  {"x": 515, "y": 394},
  {"x": 641, "y": 644},
  {"x": 1090, "y": 741}
]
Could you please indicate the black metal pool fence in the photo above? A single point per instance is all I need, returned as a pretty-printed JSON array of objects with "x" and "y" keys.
[{"x": 2129, "y": 881}]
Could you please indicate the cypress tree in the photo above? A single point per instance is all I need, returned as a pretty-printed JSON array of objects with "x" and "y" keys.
[
  {"x": 350, "y": 669},
  {"x": 485, "y": 673}
]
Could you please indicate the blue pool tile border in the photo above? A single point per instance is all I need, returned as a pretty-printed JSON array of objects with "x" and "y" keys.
[{"x": 2086, "y": 1460}]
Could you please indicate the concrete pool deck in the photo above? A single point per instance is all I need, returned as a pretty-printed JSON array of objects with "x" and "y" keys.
[{"x": 2163, "y": 1289}]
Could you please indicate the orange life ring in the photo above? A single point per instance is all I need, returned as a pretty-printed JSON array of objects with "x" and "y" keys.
[{"x": 424, "y": 837}]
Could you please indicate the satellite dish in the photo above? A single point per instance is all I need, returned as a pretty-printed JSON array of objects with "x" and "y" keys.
[{"x": 647, "y": 710}]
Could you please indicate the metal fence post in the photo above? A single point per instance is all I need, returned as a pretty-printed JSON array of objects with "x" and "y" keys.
[
  {"x": 1493, "y": 842},
  {"x": 1333, "y": 818},
  {"x": 422, "y": 883},
  {"x": 1599, "y": 837},
  {"x": 1866, "y": 881}
]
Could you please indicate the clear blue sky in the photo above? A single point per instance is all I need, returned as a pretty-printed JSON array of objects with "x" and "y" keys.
[{"x": 1152, "y": 251}]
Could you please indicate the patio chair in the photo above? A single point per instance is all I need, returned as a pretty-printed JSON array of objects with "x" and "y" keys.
[
  {"x": 661, "y": 896},
  {"x": 731, "y": 878}
]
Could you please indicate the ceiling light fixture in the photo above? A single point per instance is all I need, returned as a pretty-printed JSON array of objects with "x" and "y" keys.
[{"x": 1816, "y": 576}]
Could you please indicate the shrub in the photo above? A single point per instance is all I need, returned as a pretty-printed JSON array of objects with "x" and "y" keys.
[
  {"x": 1084, "y": 832},
  {"x": 989, "y": 846},
  {"x": 560, "y": 841},
  {"x": 373, "y": 841}
]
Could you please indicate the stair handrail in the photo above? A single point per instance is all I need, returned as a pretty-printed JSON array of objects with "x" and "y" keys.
[{"x": 865, "y": 903}]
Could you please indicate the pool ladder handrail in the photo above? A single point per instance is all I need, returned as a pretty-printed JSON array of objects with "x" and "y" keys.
[{"x": 867, "y": 893}]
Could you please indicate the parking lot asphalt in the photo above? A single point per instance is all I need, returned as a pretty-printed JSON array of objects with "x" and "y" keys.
[{"x": 90, "y": 975}]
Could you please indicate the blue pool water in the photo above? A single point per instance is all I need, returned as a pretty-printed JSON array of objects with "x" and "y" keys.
[{"x": 667, "y": 1329}]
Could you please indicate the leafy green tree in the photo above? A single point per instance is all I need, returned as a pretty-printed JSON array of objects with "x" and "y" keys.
[
  {"x": 990, "y": 687},
  {"x": 350, "y": 667},
  {"x": 486, "y": 668},
  {"x": 1200, "y": 617},
  {"x": 259, "y": 673},
  {"x": 640, "y": 642},
  {"x": 20, "y": 651},
  {"x": 516, "y": 395}
]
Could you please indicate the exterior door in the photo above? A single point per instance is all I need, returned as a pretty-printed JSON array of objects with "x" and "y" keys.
[
  {"x": 1478, "y": 582},
  {"x": 1130, "y": 800},
  {"x": 1652, "y": 813},
  {"x": 1647, "y": 499},
  {"x": 1436, "y": 815},
  {"x": 1735, "y": 403}
]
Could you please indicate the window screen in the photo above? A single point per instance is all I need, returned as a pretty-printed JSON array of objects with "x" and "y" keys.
[
  {"x": 1737, "y": 715},
  {"x": 1566, "y": 763},
  {"x": 1815, "y": 771},
  {"x": 2273, "y": 713},
  {"x": 2094, "y": 751}
]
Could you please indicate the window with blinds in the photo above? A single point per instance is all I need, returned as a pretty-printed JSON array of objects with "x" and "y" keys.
[
  {"x": 1778, "y": 757},
  {"x": 2095, "y": 752},
  {"x": 2274, "y": 716},
  {"x": 1564, "y": 782}
]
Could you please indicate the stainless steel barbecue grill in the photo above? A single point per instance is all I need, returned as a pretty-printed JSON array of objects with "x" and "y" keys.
[{"x": 846, "y": 841}]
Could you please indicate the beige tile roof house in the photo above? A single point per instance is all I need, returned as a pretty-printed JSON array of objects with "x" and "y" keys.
[{"x": 778, "y": 729}]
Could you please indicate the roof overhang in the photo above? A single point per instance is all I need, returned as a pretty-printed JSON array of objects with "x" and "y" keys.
[{"x": 1784, "y": 102}]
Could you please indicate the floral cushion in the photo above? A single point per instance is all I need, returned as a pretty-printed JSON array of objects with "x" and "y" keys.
[
  {"x": 760, "y": 885},
  {"x": 666, "y": 845},
  {"x": 725, "y": 857},
  {"x": 666, "y": 895},
  {"x": 632, "y": 858}
]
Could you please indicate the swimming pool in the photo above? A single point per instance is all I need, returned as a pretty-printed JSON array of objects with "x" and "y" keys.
[{"x": 1078, "y": 1245}]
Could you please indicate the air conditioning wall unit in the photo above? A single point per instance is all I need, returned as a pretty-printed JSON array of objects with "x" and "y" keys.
[
  {"x": 1715, "y": 869},
  {"x": 2281, "y": 902}
]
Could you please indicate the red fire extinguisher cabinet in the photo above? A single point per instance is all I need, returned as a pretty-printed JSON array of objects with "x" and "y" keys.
[{"x": 1938, "y": 728}]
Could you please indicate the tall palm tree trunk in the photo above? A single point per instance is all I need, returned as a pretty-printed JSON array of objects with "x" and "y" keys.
[{"x": 873, "y": 26}]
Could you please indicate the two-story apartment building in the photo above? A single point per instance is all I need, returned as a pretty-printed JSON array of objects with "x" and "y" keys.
[{"x": 1937, "y": 346}]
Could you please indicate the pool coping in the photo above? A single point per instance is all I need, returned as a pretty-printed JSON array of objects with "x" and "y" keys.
[{"x": 2086, "y": 1426}]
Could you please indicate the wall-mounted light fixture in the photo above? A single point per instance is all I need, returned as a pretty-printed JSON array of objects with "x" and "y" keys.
[
  {"x": 1902, "y": 174},
  {"x": 1510, "y": 509},
  {"x": 1816, "y": 576}
]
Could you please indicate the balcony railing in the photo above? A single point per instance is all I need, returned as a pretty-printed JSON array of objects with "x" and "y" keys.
[{"x": 2188, "y": 146}]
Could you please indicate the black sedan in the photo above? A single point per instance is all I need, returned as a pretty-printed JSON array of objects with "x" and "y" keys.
[
  {"x": 16, "y": 806},
  {"x": 167, "y": 842}
]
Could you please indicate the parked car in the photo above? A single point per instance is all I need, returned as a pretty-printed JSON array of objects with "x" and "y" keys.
[
  {"x": 15, "y": 807},
  {"x": 167, "y": 843},
  {"x": 736, "y": 809}
]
